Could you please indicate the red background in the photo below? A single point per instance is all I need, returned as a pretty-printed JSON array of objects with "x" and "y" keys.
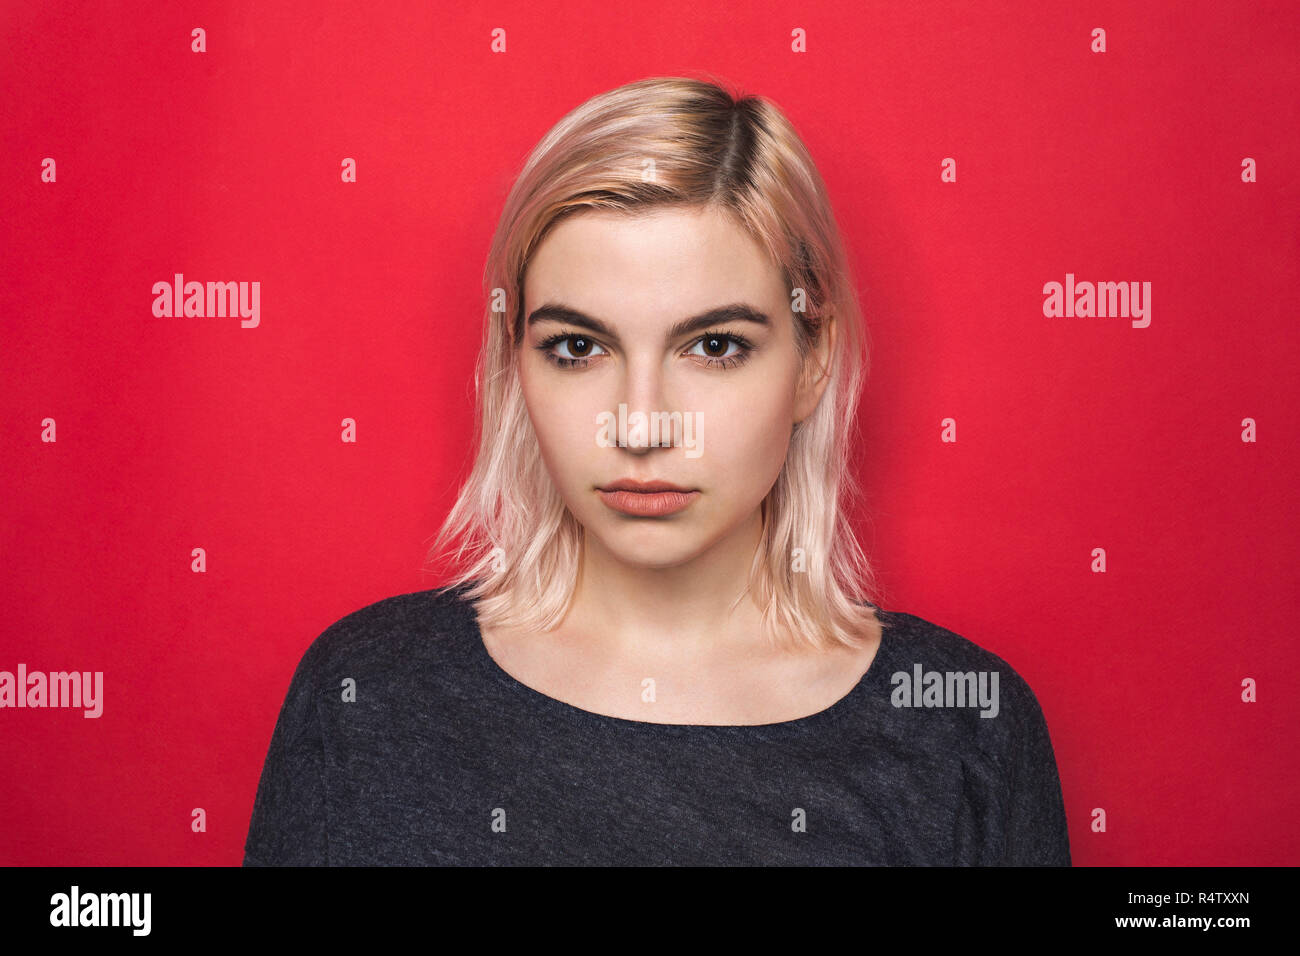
[{"x": 1073, "y": 433}]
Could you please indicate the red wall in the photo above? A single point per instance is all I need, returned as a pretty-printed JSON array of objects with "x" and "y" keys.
[{"x": 1073, "y": 433}]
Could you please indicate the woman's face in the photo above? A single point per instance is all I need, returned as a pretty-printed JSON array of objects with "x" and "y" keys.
[{"x": 602, "y": 295}]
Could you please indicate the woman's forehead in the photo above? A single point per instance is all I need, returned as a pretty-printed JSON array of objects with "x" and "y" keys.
[{"x": 671, "y": 261}]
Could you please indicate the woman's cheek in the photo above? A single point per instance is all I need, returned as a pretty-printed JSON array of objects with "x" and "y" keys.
[
  {"x": 759, "y": 433},
  {"x": 556, "y": 418},
  {"x": 739, "y": 457}
]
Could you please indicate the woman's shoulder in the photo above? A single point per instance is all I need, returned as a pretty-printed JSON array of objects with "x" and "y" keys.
[
  {"x": 922, "y": 655},
  {"x": 403, "y": 631}
]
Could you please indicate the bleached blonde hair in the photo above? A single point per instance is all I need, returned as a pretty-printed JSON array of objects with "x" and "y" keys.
[{"x": 519, "y": 547}]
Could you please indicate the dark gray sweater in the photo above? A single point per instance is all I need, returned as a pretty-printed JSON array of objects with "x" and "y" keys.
[{"x": 444, "y": 758}]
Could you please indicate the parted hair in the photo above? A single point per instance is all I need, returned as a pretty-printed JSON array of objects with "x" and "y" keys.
[{"x": 670, "y": 141}]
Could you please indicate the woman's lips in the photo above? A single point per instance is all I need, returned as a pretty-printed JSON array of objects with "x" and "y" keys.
[{"x": 644, "y": 504}]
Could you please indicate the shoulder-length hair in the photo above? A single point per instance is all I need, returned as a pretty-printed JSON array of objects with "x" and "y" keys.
[{"x": 671, "y": 141}]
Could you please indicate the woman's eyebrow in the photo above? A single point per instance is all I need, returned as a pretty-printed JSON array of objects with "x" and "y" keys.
[{"x": 735, "y": 312}]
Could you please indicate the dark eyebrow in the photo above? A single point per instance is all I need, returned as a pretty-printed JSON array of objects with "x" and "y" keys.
[{"x": 736, "y": 312}]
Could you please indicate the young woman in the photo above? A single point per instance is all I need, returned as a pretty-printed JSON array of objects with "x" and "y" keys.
[{"x": 659, "y": 648}]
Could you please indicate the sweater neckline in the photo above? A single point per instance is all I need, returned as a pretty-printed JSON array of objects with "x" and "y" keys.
[{"x": 871, "y": 681}]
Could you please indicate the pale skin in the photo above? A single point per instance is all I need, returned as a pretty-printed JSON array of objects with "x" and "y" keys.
[{"x": 653, "y": 594}]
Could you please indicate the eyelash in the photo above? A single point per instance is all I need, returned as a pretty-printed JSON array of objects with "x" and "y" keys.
[{"x": 717, "y": 361}]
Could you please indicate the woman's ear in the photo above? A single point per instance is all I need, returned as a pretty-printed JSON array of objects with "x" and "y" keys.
[{"x": 816, "y": 370}]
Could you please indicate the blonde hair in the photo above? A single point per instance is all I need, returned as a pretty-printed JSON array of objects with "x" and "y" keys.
[{"x": 703, "y": 146}]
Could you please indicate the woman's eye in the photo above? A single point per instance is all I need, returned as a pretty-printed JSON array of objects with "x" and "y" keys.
[
  {"x": 715, "y": 347},
  {"x": 579, "y": 347},
  {"x": 576, "y": 350}
]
